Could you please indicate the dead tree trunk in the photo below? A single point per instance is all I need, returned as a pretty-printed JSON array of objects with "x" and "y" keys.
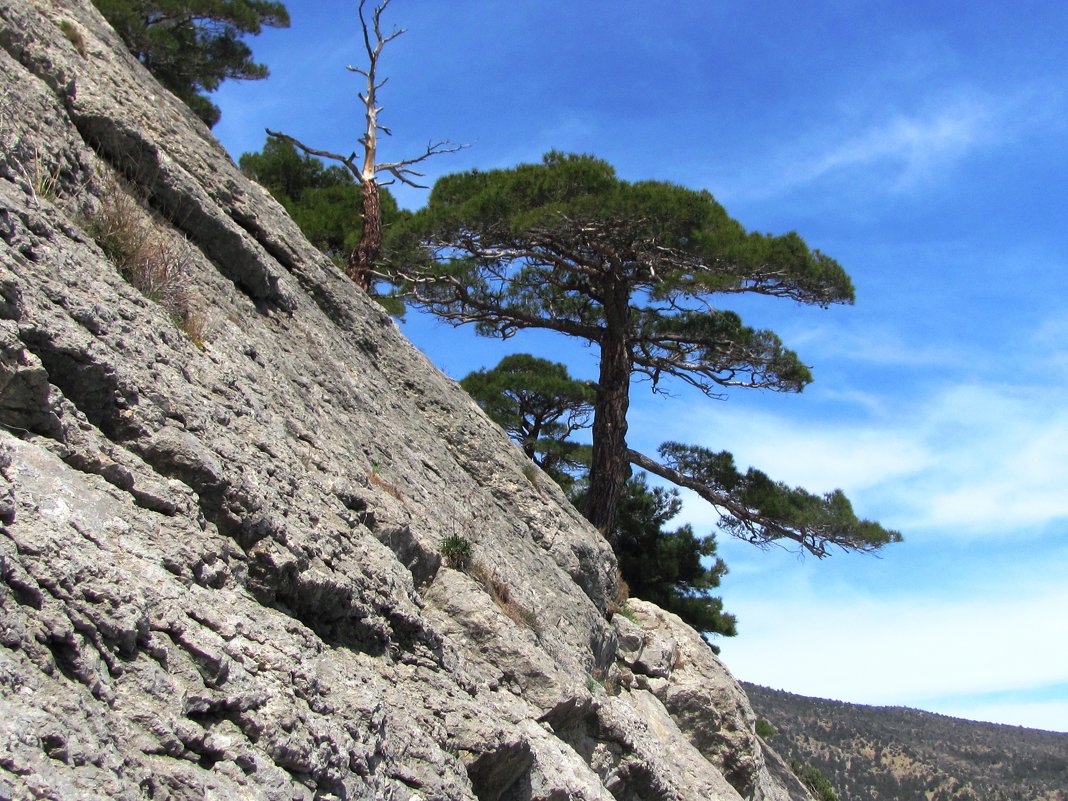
[{"x": 362, "y": 261}]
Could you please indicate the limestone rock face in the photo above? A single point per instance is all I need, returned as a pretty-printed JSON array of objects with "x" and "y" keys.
[
  {"x": 223, "y": 496},
  {"x": 661, "y": 656}
]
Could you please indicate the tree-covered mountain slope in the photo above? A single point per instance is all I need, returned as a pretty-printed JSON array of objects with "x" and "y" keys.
[{"x": 897, "y": 754}]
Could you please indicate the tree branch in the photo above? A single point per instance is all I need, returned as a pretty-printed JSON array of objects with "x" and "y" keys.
[
  {"x": 460, "y": 305},
  {"x": 348, "y": 161},
  {"x": 761, "y": 529},
  {"x": 401, "y": 169}
]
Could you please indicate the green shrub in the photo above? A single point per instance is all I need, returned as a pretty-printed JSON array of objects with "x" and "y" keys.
[
  {"x": 815, "y": 781},
  {"x": 457, "y": 551},
  {"x": 765, "y": 729}
]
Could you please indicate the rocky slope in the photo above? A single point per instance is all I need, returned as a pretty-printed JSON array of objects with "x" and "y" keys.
[{"x": 224, "y": 495}]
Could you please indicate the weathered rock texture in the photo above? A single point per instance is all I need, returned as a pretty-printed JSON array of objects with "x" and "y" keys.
[{"x": 220, "y": 570}]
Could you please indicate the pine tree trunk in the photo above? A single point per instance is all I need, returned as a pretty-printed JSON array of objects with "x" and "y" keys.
[{"x": 609, "y": 469}]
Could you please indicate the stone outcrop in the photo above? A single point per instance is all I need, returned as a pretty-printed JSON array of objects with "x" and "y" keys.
[
  {"x": 660, "y": 656},
  {"x": 222, "y": 505}
]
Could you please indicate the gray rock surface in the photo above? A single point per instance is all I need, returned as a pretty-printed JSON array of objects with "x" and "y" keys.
[
  {"x": 660, "y": 655},
  {"x": 220, "y": 570}
]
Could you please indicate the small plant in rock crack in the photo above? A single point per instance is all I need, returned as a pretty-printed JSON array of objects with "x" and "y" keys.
[
  {"x": 161, "y": 269},
  {"x": 41, "y": 171},
  {"x": 502, "y": 595},
  {"x": 44, "y": 180},
  {"x": 74, "y": 36},
  {"x": 375, "y": 477},
  {"x": 457, "y": 551}
]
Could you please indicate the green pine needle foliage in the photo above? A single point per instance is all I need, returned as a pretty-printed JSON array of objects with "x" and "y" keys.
[
  {"x": 192, "y": 46},
  {"x": 675, "y": 569},
  {"x": 761, "y": 510}
]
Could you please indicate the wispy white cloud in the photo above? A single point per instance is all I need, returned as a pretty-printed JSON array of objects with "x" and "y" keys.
[
  {"x": 893, "y": 149},
  {"x": 1002, "y": 457},
  {"x": 926, "y": 654},
  {"x": 1050, "y": 341},
  {"x": 913, "y": 145},
  {"x": 968, "y": 460},
  {"x": 868, "y": 343}
]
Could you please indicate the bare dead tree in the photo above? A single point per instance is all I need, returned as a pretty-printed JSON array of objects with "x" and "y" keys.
[{"x": 362, "y": 260}]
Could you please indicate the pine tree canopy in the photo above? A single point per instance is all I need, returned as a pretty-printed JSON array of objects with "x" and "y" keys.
[
  {"x": 540, "y": 405},
  {"x": 635, "y": 270},
  {"x": 192, "y": 46},
  {"x": 547, "y": 245}
]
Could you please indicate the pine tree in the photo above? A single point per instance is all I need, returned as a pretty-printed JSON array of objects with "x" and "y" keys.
[
  {"x": 541, "y": 406},
  {"x": 192, "y": 46},
  {"x": 632, "y": 269}
]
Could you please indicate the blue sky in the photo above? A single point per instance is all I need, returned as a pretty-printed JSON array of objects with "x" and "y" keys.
[{"x": 923, "y": 146}]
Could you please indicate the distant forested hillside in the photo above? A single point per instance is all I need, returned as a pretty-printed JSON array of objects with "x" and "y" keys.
[{"x": 895, "y": 754}]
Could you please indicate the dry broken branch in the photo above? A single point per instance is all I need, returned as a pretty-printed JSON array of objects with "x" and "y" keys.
[{"x": 362, "y": 260}]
